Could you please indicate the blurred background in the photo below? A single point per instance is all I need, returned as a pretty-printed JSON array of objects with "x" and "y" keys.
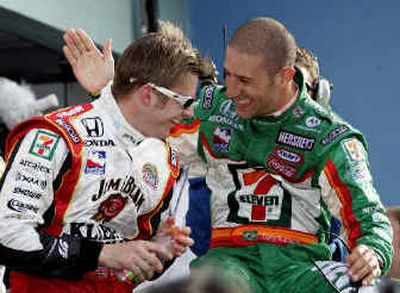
[{"x": 357, "y": 44}]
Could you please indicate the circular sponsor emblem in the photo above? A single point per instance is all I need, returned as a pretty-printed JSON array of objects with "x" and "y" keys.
[
  {"x": 312, "y": 122},
  {"x": 150, "y": 175}
]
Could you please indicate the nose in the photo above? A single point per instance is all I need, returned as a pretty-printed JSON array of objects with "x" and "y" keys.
[{"x": 232, "y": 87}]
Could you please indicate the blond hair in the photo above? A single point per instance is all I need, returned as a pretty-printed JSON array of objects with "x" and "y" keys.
[{"x": 163, "y": 58}]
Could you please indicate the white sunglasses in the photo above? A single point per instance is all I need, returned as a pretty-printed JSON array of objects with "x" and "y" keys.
[{"x": 184, "y": 101}]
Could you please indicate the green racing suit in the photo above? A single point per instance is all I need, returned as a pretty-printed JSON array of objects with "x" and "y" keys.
[{"x": 276, "y": 182}]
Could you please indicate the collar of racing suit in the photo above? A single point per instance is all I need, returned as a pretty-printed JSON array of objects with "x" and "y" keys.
[{"x": 108, "y": 106}]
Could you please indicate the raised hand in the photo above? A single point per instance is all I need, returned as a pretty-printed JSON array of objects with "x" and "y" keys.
[
  {"x": 138, "y": 256},
  {"x": 92, "y": 68}
]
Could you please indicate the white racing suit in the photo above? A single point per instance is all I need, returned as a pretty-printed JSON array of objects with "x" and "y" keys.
[{"x": 75, "y": 179}]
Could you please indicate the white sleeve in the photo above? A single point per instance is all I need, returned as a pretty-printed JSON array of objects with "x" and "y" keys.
[{"x": 26, "y": 189}]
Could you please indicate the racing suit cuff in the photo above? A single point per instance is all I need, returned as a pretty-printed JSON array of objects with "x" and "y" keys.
[{"x": 89, "y": 255}]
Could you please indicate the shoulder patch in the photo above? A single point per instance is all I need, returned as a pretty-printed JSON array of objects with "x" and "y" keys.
[
  {"x": 44, "y": 144},
  {"x": 150, "y": 175},
  {"x": 334, "y": 134},
  {"x": 208, "y": 97},
  {"x": 354, "y": 149}
]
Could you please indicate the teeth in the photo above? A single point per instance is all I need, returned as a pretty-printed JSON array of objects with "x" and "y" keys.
[{"x": 242, "y": 101}]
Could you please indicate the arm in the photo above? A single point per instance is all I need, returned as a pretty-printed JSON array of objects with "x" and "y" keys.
[
  {"x": 92, "y": 68},
  {"x": 347, "y": 189},
  {"x": 26, "y": 204}
]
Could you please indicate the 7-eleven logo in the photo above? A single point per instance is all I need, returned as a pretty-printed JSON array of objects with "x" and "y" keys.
[
  {"x": 355, "y": 149},
  {"x": 260, "y": 200},
  {"x": 44, "y": 144}
]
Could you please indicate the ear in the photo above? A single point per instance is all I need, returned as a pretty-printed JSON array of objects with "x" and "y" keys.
[
  {"x": 287, "y": 74},
  {"x": 145, "y": 96}
]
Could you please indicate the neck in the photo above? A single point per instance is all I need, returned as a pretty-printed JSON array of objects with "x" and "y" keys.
[
  {"x": 135, "y": 116},
  {"x": 287, "y": 99}
]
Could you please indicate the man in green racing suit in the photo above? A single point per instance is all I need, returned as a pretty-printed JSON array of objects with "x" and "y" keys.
[{"x": 278, "y": 177}]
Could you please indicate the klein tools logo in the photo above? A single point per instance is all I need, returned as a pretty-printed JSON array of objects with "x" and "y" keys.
[{"x": 44, "y": 145}]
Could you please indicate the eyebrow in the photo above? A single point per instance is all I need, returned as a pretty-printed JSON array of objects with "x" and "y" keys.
[{"x": 238, "y": 75}]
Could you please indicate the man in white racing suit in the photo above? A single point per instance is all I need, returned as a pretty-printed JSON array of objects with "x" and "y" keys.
[{"x": 87, "y": 187}]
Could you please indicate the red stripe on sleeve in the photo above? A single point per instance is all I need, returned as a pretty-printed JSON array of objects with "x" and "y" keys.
[{"x": 349, "y": 221}]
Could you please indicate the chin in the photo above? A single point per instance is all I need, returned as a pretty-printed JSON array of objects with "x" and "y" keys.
[{"x": 244, "y": 114}]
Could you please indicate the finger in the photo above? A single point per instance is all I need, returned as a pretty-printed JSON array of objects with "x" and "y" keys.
[
  {"x": 70, "y": 43},
  {"x": 364, "y": 266},
  {"x": 137, "y": 272},
  {"x": 155, "y": 262},
  {"x": 184, "y": 241},
  {"x": 107, "y": 49},
  {"x": 86, "y": 41},
  {"x": 79, "y": 43},
  {"x": 70, "y": 57},
  {"x": 146, "y": 268},
  {"x": 371, "y": 276},
  {"x": 161, "y": 251}
]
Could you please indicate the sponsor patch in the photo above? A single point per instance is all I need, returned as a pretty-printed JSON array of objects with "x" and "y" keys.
[
  {"x": 110, "y": 208},
  {"x": 334, "y": 134},
  {"x": 249, "y": 235},
  {"x": 96, "y": 162},
  {"x": 34, "y": 166},
  {"x": 298, "y": 112},
  {"x": 21, "y": 207},
  {"x": 70, "y": 112},
  {"x": 296, "y": 141},
  {"x": 208, "y": 97},
  {"x": 44, "y": 145},
  {"x": 42, "y": 184},
  {"x": 69, "y": 129},
  {"x": 150, "y": 175},
  {"x": 289, "y": 156},
  {"x": 312, "y": 122},
  {"x": 94, "y": 126},
  {"x": 281, "y": 167},
  {"x": 27, "y": 192},
  {"x": 222, "y": 139},
  {"x": 354, "y": 149},
  {"x": 99, "y": 143},
  {"x": 360, "y": 172}
]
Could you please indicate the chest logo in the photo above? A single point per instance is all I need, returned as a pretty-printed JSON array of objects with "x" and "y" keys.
[
  {"x": 94, "y": 126},
  {"x": 312, "y": 122},
  {"x": 96, "y": 162},
  {"x": 150, "y": 175},
  {"x": 296, "y": 141},
  {"x": 222, "y": 139},
  {"x": 289, "y": 156}
]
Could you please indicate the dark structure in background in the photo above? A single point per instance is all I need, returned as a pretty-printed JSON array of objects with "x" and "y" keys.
[{"x": 31, "y": 51}]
